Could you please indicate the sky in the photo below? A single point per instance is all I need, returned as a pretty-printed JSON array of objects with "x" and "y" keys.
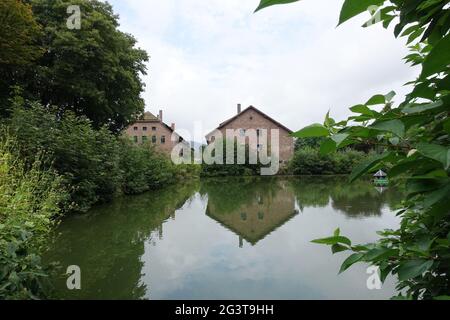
[{"x": 290, "y": 61}]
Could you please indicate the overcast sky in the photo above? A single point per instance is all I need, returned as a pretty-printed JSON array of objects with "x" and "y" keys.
[{"x": 289, "y": 61}]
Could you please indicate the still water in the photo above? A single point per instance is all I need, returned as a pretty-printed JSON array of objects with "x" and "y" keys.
[{"x": 236, "y": 238}]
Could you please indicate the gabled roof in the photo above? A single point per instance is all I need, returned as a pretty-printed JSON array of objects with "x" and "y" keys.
[
  {"x": 380, "y": 174},
  {"x": 149, "y": 117},
  {"x": 223, "y": 124}
]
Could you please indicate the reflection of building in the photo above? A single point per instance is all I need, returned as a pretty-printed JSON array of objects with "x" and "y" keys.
[{"x": 258, "y": 217}]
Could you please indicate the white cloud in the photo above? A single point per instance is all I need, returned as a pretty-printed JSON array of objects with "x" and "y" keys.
[{"x": 290, "y": 61}]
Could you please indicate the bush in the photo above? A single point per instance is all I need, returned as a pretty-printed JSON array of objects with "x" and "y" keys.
[
  {"x": 95, "y": 164},
  {"x": 309, "y": 161},
  {"x": 144, "y": 169},
  {"x": 87, "y": 159},
  {"x": 29, "y": 200},
  {"x": 223, "y": 170}
]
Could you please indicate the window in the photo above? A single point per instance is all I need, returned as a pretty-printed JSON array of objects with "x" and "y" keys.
[
  {"x": 242, "y": 132},
  {"x": 153, "y": 128},
  {"x": 251, "y": 118},
  {"x": 181, "y": 153},
  {"x": 244, "y": 216},
  {"x": 258, "y": 132},
  {"x": 135, "y": 128},
  {"x": 213, "y": 139},
  {"x": 261, "y": 215},
  {"x": 153, "y": 139},
  {"x": 144, "y": 139},
  {"x": 135, "y": 139},
  {"x": 260, "y": 147},
  {"x": 163, "y": 139},
  {"x": 144, "y": 128}
]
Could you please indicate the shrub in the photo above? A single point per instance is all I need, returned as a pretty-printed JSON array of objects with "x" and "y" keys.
[
  {"x": 221, "y": 170},
  {"x": 309, "y": 161},
  {"x": 29, "y": 200}
]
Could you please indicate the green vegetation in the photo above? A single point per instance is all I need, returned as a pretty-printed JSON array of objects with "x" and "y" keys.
[
  {"x": 234, "y": 169},
  {"x": 94, "y": 72},
  {"x": 29, "y": 202},
  {"x": 413, "y": 139},
  {"x": 65, "y": 96},
  {"x": 309, "y": 161}
]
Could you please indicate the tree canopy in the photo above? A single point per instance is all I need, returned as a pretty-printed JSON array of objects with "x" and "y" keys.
[{"x": 94, "y": 71}]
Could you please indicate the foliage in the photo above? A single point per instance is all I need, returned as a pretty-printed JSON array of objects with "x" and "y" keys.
[
  {"x": 309, "y": 161},
  {"x": 18, "y": 34},
  {"x": 94, "y": 72},
  {"x": 95, "y": 165},
  {"x": 302, "y": 143},
  {"x": 144, "y": 169},
  {"x": 235, "y": 169},
  {"x": 87, "y": 159},
  {"x": 18, "y": 46},
  {"x": 29, "y": 200},
  {"x": 414, "y": 138}
]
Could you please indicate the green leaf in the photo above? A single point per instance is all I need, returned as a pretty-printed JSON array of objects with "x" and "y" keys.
[
  {"x": 333, "y": 240},
  {"x": 336, "y": 248},
  {"x": 367, "y": 165},
  {"x": 268, "y": 3},
  {"x": 376, "y": 99},
  {"x": 438, "y": 59},
  {"x": 352, "y": 8},
  {"x": 315, "y": 130},
  {"x": 390, "y": 96},
  {"x": 379, "y": 254},
  {"x": 339, "y": 138},
  {"x": 413, "y": 268},
  {"x": 363, "y": 109},
  {"x": 354, "y": 258},
  {"x": 442, "y": 298},
  {"x": 436, "y": 152},
  {"x": 416, "y": 108},
  {"x": 327, "y": 147},
  {"x": 395, "y": 126}
]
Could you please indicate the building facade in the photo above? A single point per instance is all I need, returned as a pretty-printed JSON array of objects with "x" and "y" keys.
[
  {"x": 152, "y": 129},
  {"x": 252, "y": 118}
]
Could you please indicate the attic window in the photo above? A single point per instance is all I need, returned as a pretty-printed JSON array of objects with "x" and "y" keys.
[{"x": 251, "y": 118}]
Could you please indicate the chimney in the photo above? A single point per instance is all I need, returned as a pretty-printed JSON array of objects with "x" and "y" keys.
[
  {"x": 239, "y": 108},
  {"x": 160, "y": 117},
  {"x": 173, "y": 126}
]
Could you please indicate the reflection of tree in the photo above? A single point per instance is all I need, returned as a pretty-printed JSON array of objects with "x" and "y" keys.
[
  {"x": 360, "y": 198},
  {"x": 252, "y": 208},
  {"x": 312, "y": 191},
  {"x": 108, "y": 243}
]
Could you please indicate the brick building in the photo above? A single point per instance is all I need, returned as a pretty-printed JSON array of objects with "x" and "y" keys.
[
  {"x": 252, "y": 118},
  {"x": 152, "y": 129}
]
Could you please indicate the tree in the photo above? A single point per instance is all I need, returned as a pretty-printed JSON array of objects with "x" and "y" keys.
[
  {"x": 18, "y": 48},
  {"x": 17, "y": 34},
  {"x": 414, "y": 141},
  {"x": 94, "y": 71}
]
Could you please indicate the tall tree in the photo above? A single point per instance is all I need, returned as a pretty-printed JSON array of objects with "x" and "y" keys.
[
  {"x": 94, "y": 70},
  {"x": 18, "y": 48}
]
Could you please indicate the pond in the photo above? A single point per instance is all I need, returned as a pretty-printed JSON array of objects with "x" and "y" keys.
[{"x": 233, "y": 238}]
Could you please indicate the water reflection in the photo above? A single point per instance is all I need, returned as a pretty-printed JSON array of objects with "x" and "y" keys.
[
  {"x": 191, "y": 241},
  {"x": 251, "y": 208}
]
